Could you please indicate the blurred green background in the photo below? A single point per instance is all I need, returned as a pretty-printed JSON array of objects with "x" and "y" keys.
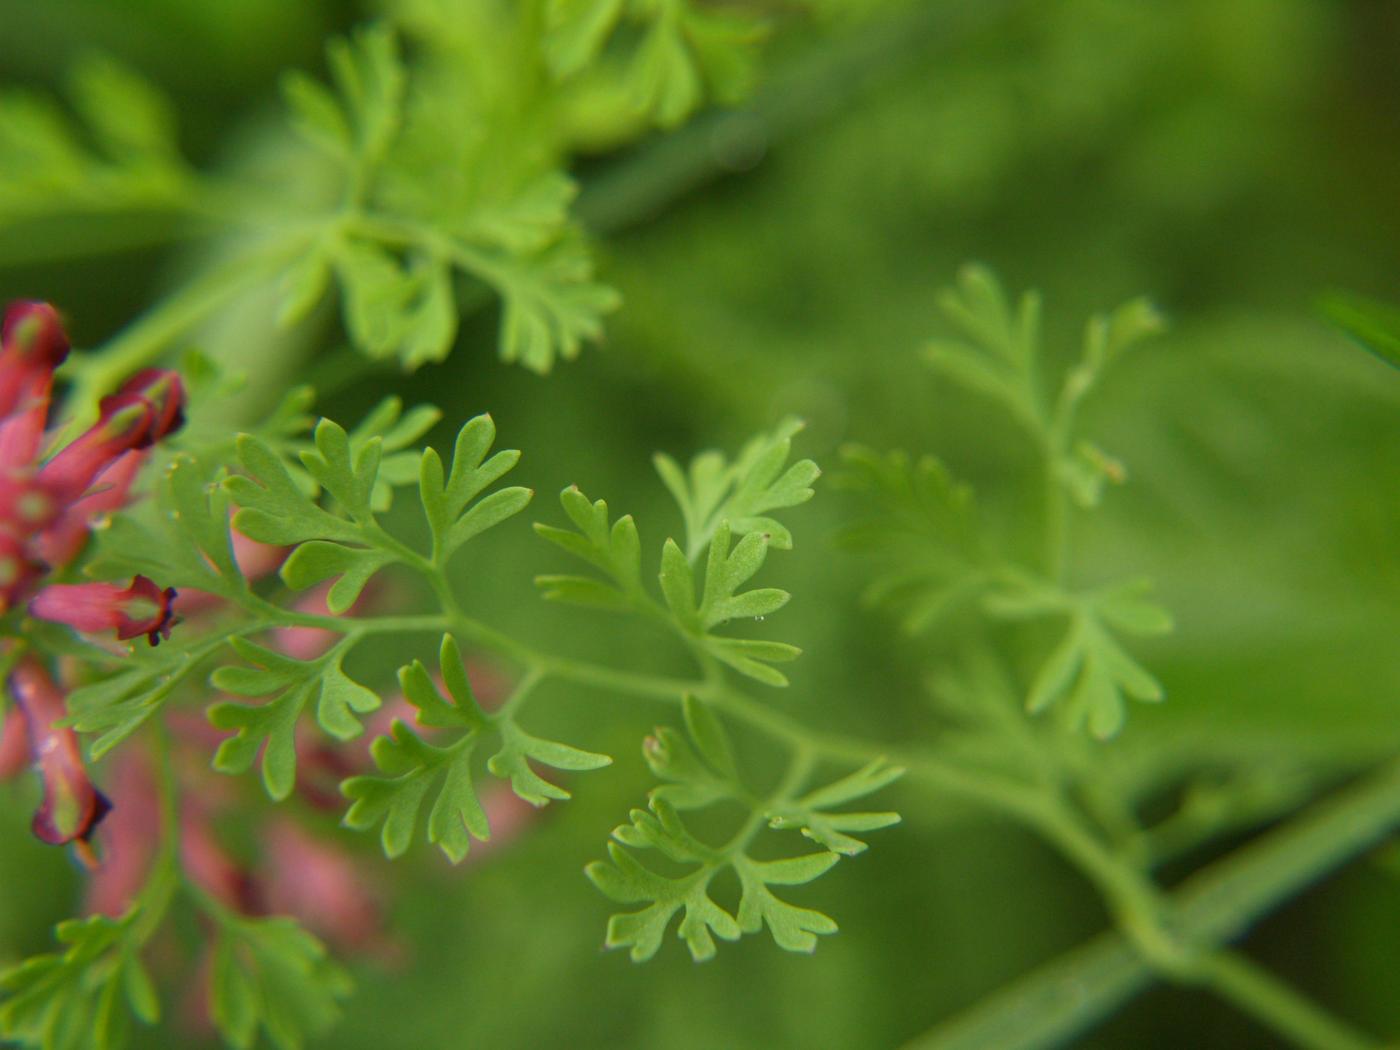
[{"x": 1231, "y": 158}]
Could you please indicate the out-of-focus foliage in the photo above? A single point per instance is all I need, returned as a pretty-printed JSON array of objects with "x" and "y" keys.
[{"x": 1230, "y": 159}]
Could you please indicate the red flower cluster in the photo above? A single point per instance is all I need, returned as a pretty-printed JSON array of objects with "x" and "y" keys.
[{"x": 47, "y": 509}]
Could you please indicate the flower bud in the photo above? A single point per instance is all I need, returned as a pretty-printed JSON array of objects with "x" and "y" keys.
[
  {"x": 32, "y": 344},
  {"x": 146, "y": 409},
  {"x": 142, "y": 608},
  {"x": 18, "y": 570},
  {"x": 64, "y": 539},
  {"x": 72, "y": 807}
]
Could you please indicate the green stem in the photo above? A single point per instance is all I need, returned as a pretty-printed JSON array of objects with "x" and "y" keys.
[
  {"x": 1276, "y": 1005},
  {"x": 1054, "y": 1004},
  {"x": 164, "y": 876},
  {"x": 98, "y": 373}
]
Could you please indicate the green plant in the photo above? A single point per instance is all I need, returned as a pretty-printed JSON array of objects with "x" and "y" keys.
[{"x": 432, "y": 187}]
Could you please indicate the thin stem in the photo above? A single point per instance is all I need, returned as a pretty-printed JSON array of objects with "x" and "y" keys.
[
  {"x": 164, "y": 876},
  {"x": 1056, "y": 1003},
  {"x": 798, "y": 770},
  {"x": 1276, "y": 1005},
  {"x": 96, "y": 374}
]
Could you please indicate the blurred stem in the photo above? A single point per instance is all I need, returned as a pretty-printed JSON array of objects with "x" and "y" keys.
[
  {"x": 98, "y": 373},
  {"x": 1142, "y": 911},
  {"x": 1276, "y": 1005},
  {"x": 1053, "y": 1005},
  {"x": 164, "y": 876}
]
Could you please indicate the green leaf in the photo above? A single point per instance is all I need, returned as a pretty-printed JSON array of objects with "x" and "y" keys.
[
  {"x": 999, "y": 345},
  {"x": 698, "y": 770},
  {"x": 120, "y": 156},
  {"x": 711, "y": 741},
  {"x": 317, "y": 560},
  {"x": 751, "y": 657},
  {"x": 691, "y": 782},
  {"x": 1086, "y": 471},
  {"x": 1091, "y": 673},
  {"x": 925, "y": 531},
  {"x": 577, "y": 31},
  {"x": 376, "y": 294},
  {"x": 271, "y": 975},
  {"x": 793, "y": 929},
  {"x": 316, "y": 115},
  {"x": 362, "y": 117},
  {"x": 181, "y": 541},
  {"x": 448, "y": 497},
  {"x": 812, "y": 815},
  {"x": 273, "y": 507},
  {"x": 412, "y": 768},
  {"x": 130, "y": 118},
  {"x": 434, "y": 185},
  {"x": 678, "y": 586},
  {"x": 393, "y": 309},
  {"x": 682, "y": 51},
  {"x": 270, "y": 729},
  {"x": 627, "y": 881},
  {"x": 726, "y": 570},
  {"x": 511, "y": 763},
  {"x": 743, "y": 493},
  {"x": 614, "y": 549},
  {"x": 341, "y": 699},
  {"x": 119, "y": 704},
  {"x": 1374, "y": 325},
  {"x": 341, "y": 540},
  {"x": 661, "y": 829},
  {"x": 83, "y": 997},
  {"x": 1107, "y": 337},
  {"x": 430, "y": 327},
  {"x": 550, "y": 304},
  {"x": 398, "y": 433}
]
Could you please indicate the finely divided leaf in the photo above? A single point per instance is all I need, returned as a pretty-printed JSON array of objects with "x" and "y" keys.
[
  {"x": 411, "y": 768},
  {"x": 270, "y": 728},
  {"x": 743, "y": 493},
  {"x": 794, "y": 929},
  {"x": 925, "y": 531},
  {"x": 447, "y": 495},
  {"x": 627, "y": 881},
  {"x": 1090, "y": 671},
  {"x": 813, "y": 816},
  {"x": 679, "y": 52},
  {"x": 84, "y": 997},
  {"x": 615, "y": 550},
  {"x": 511, "y": 763},
  {"x": 271, "y": 975}
]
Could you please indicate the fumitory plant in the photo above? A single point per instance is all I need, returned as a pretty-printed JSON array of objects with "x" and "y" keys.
[{"x": 268, "y": 686}]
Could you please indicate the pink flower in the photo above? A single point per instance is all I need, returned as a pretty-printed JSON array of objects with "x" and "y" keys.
[
  {"x": 14, "y": 755},
  {"x": 147, "y": 408},
  {"x": 142, "y": 608},
  {"x": 65, "y": 538},
  {"x": 72, "y": 807},
  {"x": 319, "y": 884},
  {"x": 206, "y": 862},
  {"x": 18, "y": 570},
  {"x": 32, "y": 344},
  {"x": 129, "y": 837}
]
